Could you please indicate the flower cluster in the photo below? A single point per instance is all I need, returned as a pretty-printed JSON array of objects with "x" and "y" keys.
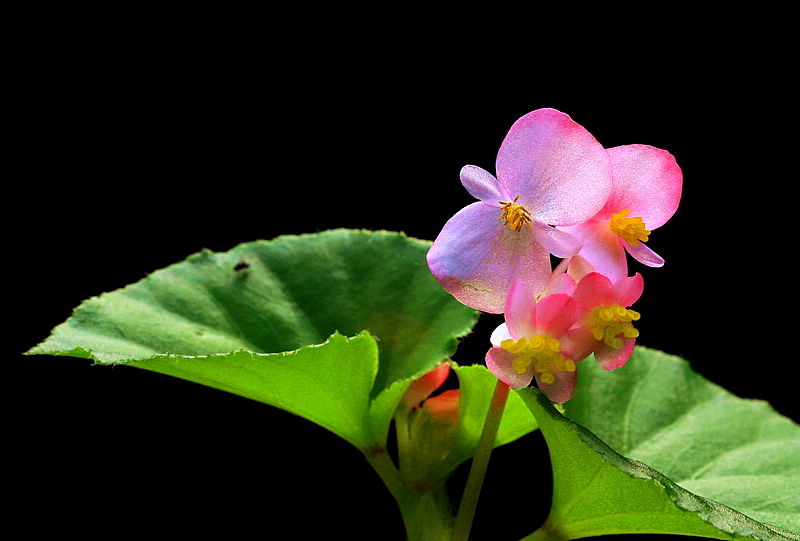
[{"x": 557, "y": 191}]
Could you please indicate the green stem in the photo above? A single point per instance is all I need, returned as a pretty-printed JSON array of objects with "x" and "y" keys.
[{"x": 472, "y": 490}]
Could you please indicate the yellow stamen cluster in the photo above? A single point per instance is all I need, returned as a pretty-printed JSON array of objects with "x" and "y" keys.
[
  {"x": 516, "y": 216},
  {"x": 631, "y": 230},
  {"x": 542, "y": 352},
  {"x": 611, "y": 323}
]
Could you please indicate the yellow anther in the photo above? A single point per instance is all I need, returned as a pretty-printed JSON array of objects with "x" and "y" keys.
[
  {"x": 543, "y": 352},
  {"x": 610, "y": 324},
  {"x": 631, "y": 230},
  {"x": 516, "y": 216}
]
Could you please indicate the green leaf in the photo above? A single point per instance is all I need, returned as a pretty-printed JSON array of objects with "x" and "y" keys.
[
  {"x": 308, "y": 382},
  {"x": 275, "y": 296},
  {"x": 654, "y": 448}
]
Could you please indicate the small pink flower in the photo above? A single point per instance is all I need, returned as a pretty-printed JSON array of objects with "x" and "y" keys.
[
  {"x": 645, "y": 194},
  {"x": 606, "y": 322},
  {"x": 530, "y": 344},
  {"x": 550, "y": 172}
]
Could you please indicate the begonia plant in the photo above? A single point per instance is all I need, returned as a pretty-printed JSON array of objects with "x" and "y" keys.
[{"x": 355, "y": 331}]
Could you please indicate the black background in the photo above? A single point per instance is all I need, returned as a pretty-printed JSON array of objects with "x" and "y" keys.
[{"x": 138, "y": 152}]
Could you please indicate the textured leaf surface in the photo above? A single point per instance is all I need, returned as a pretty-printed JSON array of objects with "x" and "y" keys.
[
  {"x": 654, "y": 447},
  {"x": 275, "y": 296}
]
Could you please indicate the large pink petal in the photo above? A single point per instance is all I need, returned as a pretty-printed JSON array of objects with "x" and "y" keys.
[
  {"x": 561, "y": 389},
  {"x": 500, "y": 363},
  {"x": 562, "y": 174},
  {"x": 477, "y": 258},
  {"x": 481, "y": 184},
  {"x": 647, "y": 181}
]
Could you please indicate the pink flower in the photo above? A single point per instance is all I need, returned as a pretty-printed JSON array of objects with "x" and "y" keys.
[
  {"x": 550, "y": 172},
  {"x": 605, "y": 327},
  {"x": 645, "y": 194},
  {"x": 530, "y": 344}
]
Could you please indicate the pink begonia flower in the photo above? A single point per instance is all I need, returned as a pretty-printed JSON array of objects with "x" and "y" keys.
[
  {"x": 530, "y": 343},
  {"x": 550, "y": 172},
  {"x": 606, "y": 322},
  {"x": 645, "y": 194}
]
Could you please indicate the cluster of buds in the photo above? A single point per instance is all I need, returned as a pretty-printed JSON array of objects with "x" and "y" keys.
[{"x": 557, "y": 191}]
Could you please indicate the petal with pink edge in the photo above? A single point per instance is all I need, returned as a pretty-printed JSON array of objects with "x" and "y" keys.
[
  {"x": 610, "y": 358},
  {"x": 501, "y": 364},
  {"x": 647, "y": 181},
  {"x": 562, "y": 388},
  {"x": 520, "y": 310},
  {"x": 560, "y": 170}
]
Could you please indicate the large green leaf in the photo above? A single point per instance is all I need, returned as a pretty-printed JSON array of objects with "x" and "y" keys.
[
  {"x": 308, "y": 382},
  {"x": 274, "y": 296},
  {"x": 654, "y": 448}
]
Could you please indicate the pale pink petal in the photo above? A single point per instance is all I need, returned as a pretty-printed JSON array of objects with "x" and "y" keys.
[
  {"x": 481, "y": 184},
  {"x": 500, "y": 363},
  {"x": 499, "y": 334},
  {"x": 647, "y": 181},
  {"x": 562, "y": 388},
  {"x": 645, "y": 255},
  {"x": 477, "y": 258},
  {"x": 555, "y": 314},
  {"x": 520, "y": 310},
  {"x": 560, "y": 170},
  {"x": 610, "y": 358},
  {"x": 559, "y": 243}
]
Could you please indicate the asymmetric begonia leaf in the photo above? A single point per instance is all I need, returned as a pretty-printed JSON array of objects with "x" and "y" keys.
[
  {"x": 275, "y": 296},
  {"x": 308, "y": 382},
  {"x": 653, "y": 447}
]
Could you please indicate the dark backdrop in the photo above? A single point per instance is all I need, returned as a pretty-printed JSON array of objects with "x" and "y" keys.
[{"x": 134, "y": 161}]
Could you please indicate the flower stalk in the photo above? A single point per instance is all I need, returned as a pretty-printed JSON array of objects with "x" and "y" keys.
[{"x": 480, "y": 462}]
